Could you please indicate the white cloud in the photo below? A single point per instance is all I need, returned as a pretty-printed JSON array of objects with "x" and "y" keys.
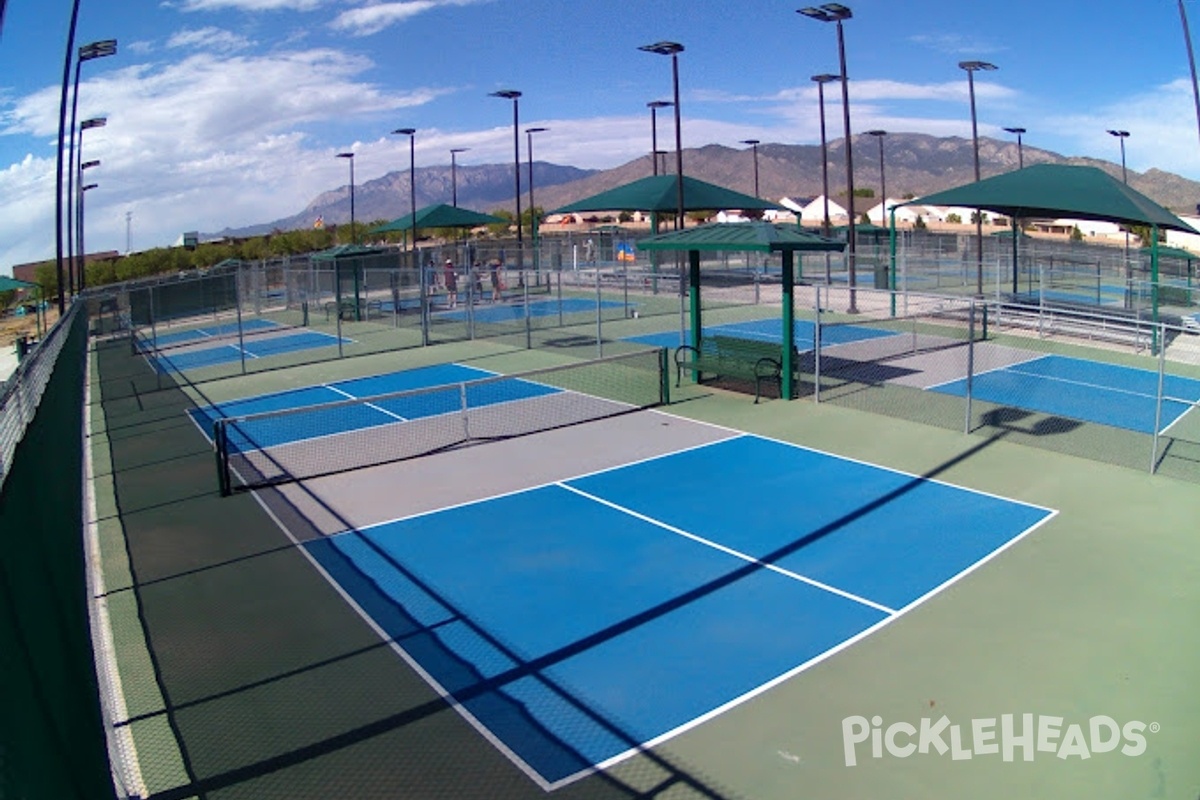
[
  {"x": 375, "y": 17},
  {"x": 209, "y": 38},
  {"x": 1161, "y": 124},
  {"x": 956, "y": 44},
  {"x": 245, "y": 5},
  {"x": 192, "y": 145}
]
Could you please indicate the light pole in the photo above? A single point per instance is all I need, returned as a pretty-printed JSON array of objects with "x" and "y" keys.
[
  {"x": 1020, "y": 149},
  {"x": 821, "y": 80},
  {"x": 1122, "y": 136},
  {"x": 350, "y": 158},
  {"x": 87, "y": 124},
  {"x": 423, "y": 280},
  {"x": 533, "y": 217},
  {"x": 82, "y": 252},
  {"x": 654, "y": 105},
  {"x": 454, "y": 151},
  {"x": 88, "y": 52},
  {"x": 83, "y": 167},
  {"x": 1187, "y": 38},
  {"x": 971, "y": 67},
  {"x": 412, "y": 185},
  {"x": 1015, "y": 223},
  {"x": 673, "y": 49},
  {"x": 836, "y": 12},
  {"x": 95, "y": 50},
  {"x": 514, "y": 95},
  {"x": 754, "y": 143},
  {"x": 878, "y": 134}
]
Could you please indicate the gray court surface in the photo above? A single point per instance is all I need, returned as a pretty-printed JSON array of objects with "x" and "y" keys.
[
  {"x": 369, "y": 496},
  {"x": 245, "y": 674}
]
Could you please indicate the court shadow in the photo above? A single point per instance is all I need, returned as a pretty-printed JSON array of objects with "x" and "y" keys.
[
  {"x": 268, "y": 675},
  {"x": 1011, "y": 419}
]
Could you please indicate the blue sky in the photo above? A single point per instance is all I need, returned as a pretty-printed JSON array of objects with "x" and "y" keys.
[{"x": 229, "y": 112}]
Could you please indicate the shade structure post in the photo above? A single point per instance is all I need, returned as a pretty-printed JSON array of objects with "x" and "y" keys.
[
  {"x": 788, "y": 338},
  {"x": 694, "y": 301},
  {"x": 1154, "y": 338}
]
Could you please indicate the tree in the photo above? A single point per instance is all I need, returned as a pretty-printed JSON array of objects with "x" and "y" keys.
[
  {"x": 920, "y": 225},
  {"x": 865, "y": 219},
  {"x": 1076, "y": 234},
  {"x": 953, "y": 219},
  {"x": 865, "y": 192}
]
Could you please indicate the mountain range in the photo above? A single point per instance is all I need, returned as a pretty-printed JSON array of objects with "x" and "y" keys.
[{"x": 914, "y": 164}]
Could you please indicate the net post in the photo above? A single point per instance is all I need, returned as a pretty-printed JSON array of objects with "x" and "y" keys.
[
  {"x": 528, "y": 320},
  {"x": 237, "y": 299},
  {"x": 221, "y": 449},
  {"x": 466, "y": 418},
  {"x": 558, "y": 286},
  {"x": 664, "y": 376},
  {"x": 599, "y": 324},
  {"x": 1162, "y": 364},
  {"x": 337, "y": 315}
]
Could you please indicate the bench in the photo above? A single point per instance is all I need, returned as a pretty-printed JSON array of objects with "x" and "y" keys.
[
  {"x": 348, "y": 311},
  {"x": 731, "y": 357}
]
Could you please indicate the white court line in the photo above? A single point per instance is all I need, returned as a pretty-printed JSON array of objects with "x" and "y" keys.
[
  {"x": 1089, "y": 385},
  {"x": 121, "y": 746},
  {"x": 349, "y": 396},
  {"x": 729, "y": 550},
  {"x": 536, "y": 487},
  {"x": 850, "y": 460},
  {"x": 892, "y": 615},
  {"x": 755, "y": 692},
  {"x": 408, "y": 659},
  {"x": 1002, "y": 368},
  {"x": 1192, "y": 406}
]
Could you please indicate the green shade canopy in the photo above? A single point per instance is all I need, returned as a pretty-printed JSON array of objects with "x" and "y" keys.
[
  {"x": 1175, "y": 252},
  {"x": 763, "y": 237},
  {"x": 12, "y": 284},
  {"x": 346, "y": 251},
  {"x": 1058, "y": 190},
  {"x": 862, "y": 229},
  {"x": 659, "y": 193},
  {"x": 439, "y": 216}
]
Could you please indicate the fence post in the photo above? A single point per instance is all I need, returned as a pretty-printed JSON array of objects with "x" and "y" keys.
[
  {"x": 599, "y": 323},
  {"x": 970, "y": 366},
  {"x": 817, "y": 346}
]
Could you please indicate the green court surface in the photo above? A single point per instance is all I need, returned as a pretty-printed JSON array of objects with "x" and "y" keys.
[{"x": 244, "y": 673}]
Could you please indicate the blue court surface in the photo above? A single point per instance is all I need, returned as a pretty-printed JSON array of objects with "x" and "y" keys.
[
  {"x": 274, "y": 431},
  {"x": 575, "y": 622},
  {"x": 220, "y": 331},
  {"x": 1091, "y": 391},
  {"x": 513, "y": 312},
  {"x": 770, "y": 330},
  {"x": 231, "y": 352}
]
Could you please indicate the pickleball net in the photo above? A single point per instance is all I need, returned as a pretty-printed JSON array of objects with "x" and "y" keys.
[{"x": 276, "y": 447}]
